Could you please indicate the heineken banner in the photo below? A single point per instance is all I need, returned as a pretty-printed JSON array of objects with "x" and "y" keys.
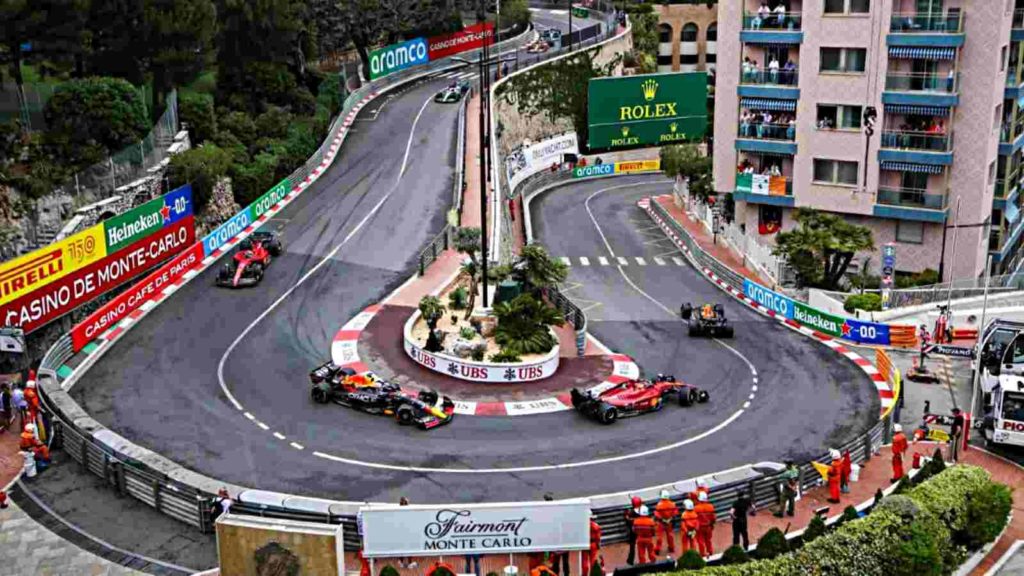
[
  {"x": 835, "y": 326},
  {"x": 627, "y": 111}
]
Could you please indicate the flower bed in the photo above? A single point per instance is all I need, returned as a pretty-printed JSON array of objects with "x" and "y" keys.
[{"x": 927, "y": 530}]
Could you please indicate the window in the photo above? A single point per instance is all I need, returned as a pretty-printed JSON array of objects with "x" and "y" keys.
[
  {"x": 997, "y": 117},
  {"x": 843, "y": 59},
  {"x": 835, "y": 172},
  {"x": 840, "y": 116},
  {"x": 690, "y": 33},
  {"x": 711, "y": 35},
  {"x": 910, "y": 232},
  {"x": 664, "y": 33},
  {"x": 847, "y": 6},
  {"x": 688, "y": 59}
]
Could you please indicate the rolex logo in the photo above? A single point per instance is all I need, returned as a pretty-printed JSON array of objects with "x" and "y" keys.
[
  {"x": 625, "y": 131},
  {"x": 650, "y": 88},
  {"x": 673, "y": 126}
]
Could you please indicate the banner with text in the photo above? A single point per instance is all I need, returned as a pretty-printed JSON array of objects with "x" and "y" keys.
[
  {"x": 245, "y": 217},
  {"x": 527, "y": 161},
  {"x": 79, "y": 287},
  {"x": 781, "y": 305},
  {"x": 384, "y": 61},
  {"x": 129, "y": 301},
  {"x": 616, "y": 168},
  {"x": 449, "y": 530},
  {"x": 469, "y": 38},
  {"x": 628, "y": 111}
]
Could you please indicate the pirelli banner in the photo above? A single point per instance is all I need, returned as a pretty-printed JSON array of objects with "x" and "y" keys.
[
  {"x": 652, "y": 109},
  {"x": 42, "y": 286}
]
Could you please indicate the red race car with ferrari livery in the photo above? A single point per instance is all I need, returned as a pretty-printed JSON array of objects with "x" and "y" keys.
[{"x": 634, "y": 397}]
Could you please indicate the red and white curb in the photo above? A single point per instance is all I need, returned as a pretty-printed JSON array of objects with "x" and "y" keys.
[
  {"x": 885, "y": 393},
  {"x": 345, "y": 353},
  {"x": 119, "y": 328}
]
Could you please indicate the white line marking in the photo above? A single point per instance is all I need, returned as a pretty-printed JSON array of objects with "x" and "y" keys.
[
  {"x": 677, "y": 261},
  {"x": 659, "y": 261},
  {"x": 327, "y": 258},
  {"x": 584, "y": 260},
  {"x": 622, "y": 261},
  {"x": 746, "y": 405},
  {"x": 602, "y": 260},
  {"x": 566, "y": 261},
  {"x": 278, "y": 435},
  {"x": 297, "y": 446},
  {"x": 262, "y": 426},
  {"x": 250, "y": 416},
  {"x": 641, "y": 261}
]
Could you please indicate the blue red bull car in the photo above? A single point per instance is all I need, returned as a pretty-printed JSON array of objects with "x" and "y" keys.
[
  {"x": 369, "y": 394},
  {"x": 635, "y": 397}
]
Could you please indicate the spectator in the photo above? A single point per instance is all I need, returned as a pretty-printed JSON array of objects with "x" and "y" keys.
[
  {"x": 956, "y": 432},
  {"x": 788, "y": 489},
  {"x": 763, "y": 12},
  {"x": 789, "y": 72},
  {"x": 741, "y": 507},
  {"x": 780, "y": 15},
  {"x": 706, "y": 519},
  {"x": 773, "y": 70},
  {"x": 223, "y": 501},
  {"x": 6, "y": 407},
  {"x": 474, "y": 558},
  {"x": 20, "y": 405},
  {"x": 755, "y": 22},
  {"x": 790, "y": 131},
  {"x": 950, "y": 81}
]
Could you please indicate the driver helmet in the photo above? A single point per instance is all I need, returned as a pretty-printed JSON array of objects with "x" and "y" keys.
[
  {"x": 664, "y": 494},
  {"x": 703, "y": 496},
  {"x": 637, "y": 502},
  {"x": 688, "y": 504}
]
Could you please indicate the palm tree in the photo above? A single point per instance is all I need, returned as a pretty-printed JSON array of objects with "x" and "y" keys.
[
  {"x": 537, "y": 270},
  {"x": 467, "y": 241},
  {"x": 470, "y": 268},
  {"x": 432, "y": 309},
  {"x": 523, "y": 325}
]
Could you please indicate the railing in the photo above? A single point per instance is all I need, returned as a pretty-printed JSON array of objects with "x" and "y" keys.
[
  {"x": 570, "y": 311},
  {"x": 929, "y": 22},
  {"x": 913, "y": 140},
  {"x": 766, "y": 76},
  {"x": 762, "y": 131},
  {"x": 1018, "y": 19},
  {"x": 915, "y": 82},
  {"x": 1011, "y": 77},
  {"x": 1011, "y": 129},
  {"x": 911, "y": 198},
  {"x": 772, "y": 22},
  {"x": 702, "y": 258},
  {"x": 435, "y": 248},
  {"x": 459, "y": 183}
]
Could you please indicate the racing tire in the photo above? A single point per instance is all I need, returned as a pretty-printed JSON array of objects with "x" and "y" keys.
[
  {"x": 694, "y": 330},
  {"x": 727, "y": 332},
  {"x": 428, "y": 397},
  {"x": 319, "y": 395},
  {"x": 608, "y": 415},
  {"x": 685, "y": 311},
  {"x": 688, "y": 397},
  {"x": 404, "y": 416}
]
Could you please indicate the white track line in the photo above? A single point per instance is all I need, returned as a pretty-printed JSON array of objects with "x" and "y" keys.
[{"x": 319, "y": 265}]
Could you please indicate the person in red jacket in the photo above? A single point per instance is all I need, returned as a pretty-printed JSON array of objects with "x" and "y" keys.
[
  {"x": 643, "y": 527},
  {"x": 29, "y": 441},
  {"x": 666, "y": 513},
  {"x": 32, "y": 396},
  {"x": 844, "y": 478},
  {"x": 590, "y": 556},
  {"x": 899, "y": 446},
  {"x": 689, "y": 527},
  {"x": 835, "y": 473},
  {"x": 702, "y": 486},
  {"x": 706, "y": 519}
]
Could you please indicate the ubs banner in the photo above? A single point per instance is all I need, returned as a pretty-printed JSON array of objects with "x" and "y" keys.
[
  {"x": 475, "y": 528},
  {"x": 628, "y": 111}
]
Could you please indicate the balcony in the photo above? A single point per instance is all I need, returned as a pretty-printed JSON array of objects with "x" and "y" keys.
[
  {"x": 910, "y": 204},
  {"x": 1017, "y": 27},
  {"x": 773, "y": 28},
  {"x": 1014, "y": 85},
  {"x": 765, "y": 83},
  {"x": 1006, "y": 190},
  {"x": 916, "y": 147},
  {"x": 762, "y": 189},
  {"x": 1011, "y": 135},
  {"x": 927, "y": 23},
  {"x": 921, "y": 89}
]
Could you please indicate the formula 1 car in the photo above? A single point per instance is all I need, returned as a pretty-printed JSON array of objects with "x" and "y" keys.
[
  {"x": 269, "y": 240},
  {"x": 247, "y": 265},
  {"x": 367, "y": 393},
  {"x": 708, "y": 320},
  {"x": 634, "y": 398}
]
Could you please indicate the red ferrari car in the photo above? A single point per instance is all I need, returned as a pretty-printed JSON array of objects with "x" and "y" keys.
[
  {"x": 246, "y": 265},
  {"x": 635, "y": 397}
]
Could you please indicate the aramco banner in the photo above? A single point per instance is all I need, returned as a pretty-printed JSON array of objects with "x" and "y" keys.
[
  {"x": 454, "y": 529},
  {"x": 628, "y": 111},
  {"x": 389, "y": 59}
]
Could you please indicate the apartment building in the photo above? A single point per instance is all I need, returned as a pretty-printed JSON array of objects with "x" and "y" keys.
[
  {"x": 794, "y": 79},
  {"x": 687, "y": 35}
]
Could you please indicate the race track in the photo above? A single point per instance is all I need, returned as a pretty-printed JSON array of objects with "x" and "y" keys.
[{"x": 350, "y": 239}]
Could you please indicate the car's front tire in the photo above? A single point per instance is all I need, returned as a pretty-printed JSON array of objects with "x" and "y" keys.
[
  {"x": 404, "y": 415},
  {"x": 687, "y": 397}
]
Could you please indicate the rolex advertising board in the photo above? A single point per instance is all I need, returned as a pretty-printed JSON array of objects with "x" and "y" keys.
[{"x": 653, "y": 109}]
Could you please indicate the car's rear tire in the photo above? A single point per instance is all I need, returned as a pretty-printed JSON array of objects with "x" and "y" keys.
[
  {"x": 608, "y": 415},
  {"x": 320, "y": 396},
  {"x": 694, "y": 329},
  {"x": 428, "y": 397},
  {"x": 404, "y": 415},
  {"x": 687, "y": 397},
  {"x": 727, "y": 332}
]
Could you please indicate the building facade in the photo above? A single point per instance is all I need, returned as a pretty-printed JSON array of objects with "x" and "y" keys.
[
  {"x": 687, "y": 36},
  {"x": 794, "y": 81}
]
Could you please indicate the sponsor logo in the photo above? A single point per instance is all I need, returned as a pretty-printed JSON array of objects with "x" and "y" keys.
[
  {"x": 268, "y": 200},
  {"x": 1013, "y": 426},
  {"x": 226, "y": 231},
  {"x": 470, "y": 38},
  {"x": 456, "y": 530},
  {"x": 768, "y": 299},
  {"x": 595, "y": 170},
  {"x": 626, "y": 139},
  {"x": 140, "y": 225},
  {"x": 397, "y": 57},
  {"x": 37, "y": 269},
  {"x": 814, "y": 319}
]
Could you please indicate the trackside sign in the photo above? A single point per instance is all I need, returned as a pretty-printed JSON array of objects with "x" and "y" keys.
[
  {"x": 774, "y": 301},
  {"x": 388, "y": 59},
  {"x": 469, "y": 38},
  {"x": 475, "y": 528},
  {"x": 628, "y": 111}
]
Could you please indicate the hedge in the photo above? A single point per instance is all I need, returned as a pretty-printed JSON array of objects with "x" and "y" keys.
[{"x": 928, "y": 530}]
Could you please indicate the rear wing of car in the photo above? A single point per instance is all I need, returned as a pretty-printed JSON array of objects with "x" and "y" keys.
[{"x": 322, "y": 372}]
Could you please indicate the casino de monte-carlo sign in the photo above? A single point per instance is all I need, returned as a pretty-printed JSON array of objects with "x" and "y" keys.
[{"x": 392, "y": 530}]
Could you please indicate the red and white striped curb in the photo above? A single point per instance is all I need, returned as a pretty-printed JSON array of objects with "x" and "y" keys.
[
  {"x": 345, "y": 353},
  {"x": 119, "y": 328},
  {"x": 885, "y": 393}
]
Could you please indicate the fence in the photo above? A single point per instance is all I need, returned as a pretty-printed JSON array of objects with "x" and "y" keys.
[{"x": 957, "y": 289}]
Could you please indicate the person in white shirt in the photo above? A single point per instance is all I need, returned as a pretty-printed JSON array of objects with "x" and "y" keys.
[
  {"x": 780, "y": 15},
  {"x": 773, "y": 70}
]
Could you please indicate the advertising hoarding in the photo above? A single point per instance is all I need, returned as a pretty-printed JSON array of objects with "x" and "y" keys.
[
  {"x": 384, "y": 61},
  {"x": 781, "y": 305},
  {"x": 37, "y": 269},
  {"x": 391, "y": 530},
  {"x": 57, "y": 298},
  {"x": 469, "y": 38},
  {"x": 478, "y": 372},
  {"x": 527, "y": 161},
  {"x": 625, "y": 111},
  {"x": 135, "y": 224}
]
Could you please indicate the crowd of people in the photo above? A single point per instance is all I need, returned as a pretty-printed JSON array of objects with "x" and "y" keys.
[
  {"x": 774, "y": 73},
  {"x": 20, "y": 402},
  {"x": 917, "y": 132},
  {"x": 765, "y": 124},
  {"x": 746, "y": 167},
  {"x": 777, "y": 17}
]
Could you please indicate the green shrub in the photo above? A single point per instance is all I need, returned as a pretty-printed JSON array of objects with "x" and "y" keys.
[
  {"x": 946, "y": 494},
  {"x": 196, "y": 110},
  {"x": 735, "y": 554},
  {"x": 904, "y": 485},
  {"x": 924, "y": 278},
  {"x": 918, "y": 553},
  {"x": 868, "y": 301},
  {"x": 467, "y": 333},
  {"x": 388, "y": 571},
  {"x": 987, "y": 512},
  {"x": 457, "y": 298},
  {"x": 239, "y": 124},
  {"x": 505, "y": 357},
  {"x": 492, "y": 574},
  {"x": 690, "y": 560},
  {"x": 815, "y": 529},
  {"x": 771, "y": 544},
  {"x": 478, "y": 354},
  {"x": 203, "y": 167},
  {"x": 849, "y": 514}
]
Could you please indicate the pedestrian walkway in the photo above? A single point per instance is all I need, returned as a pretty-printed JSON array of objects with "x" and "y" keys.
[{"x": 622, "y": 261}]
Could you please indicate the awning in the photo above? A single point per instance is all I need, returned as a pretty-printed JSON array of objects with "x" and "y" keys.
[
  {"x": 768, "y": 104},
  {"x": 918, "y": 110},
  {"x": 911, "y": 167},
  {"x": 915, "y": 53}
]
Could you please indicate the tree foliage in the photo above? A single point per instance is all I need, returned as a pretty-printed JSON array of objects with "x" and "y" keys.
[
  {"x": 523, "y": 325},
  {"x": 195, "y": 109},
  {"x": 644, "y": 20},
  {"x": 536, "y": 269},
  {"x": 685, "y": 161},
  {"x": 203, "y": 167},
  {"x": 821, "y": 247},
  {"x": 86, "y": 118}
]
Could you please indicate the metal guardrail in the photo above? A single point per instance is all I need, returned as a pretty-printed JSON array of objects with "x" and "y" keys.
[
  {"x": 569, "y": 310},
  {"x": 703, "y": 259},
  {"x": 437, "y": 246}
]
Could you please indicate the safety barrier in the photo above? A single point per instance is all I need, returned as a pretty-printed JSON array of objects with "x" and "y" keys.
[
  {"x": 892, "y": 375},
  {"x": 901, "y": 336},
  {"x": 437, "y": 246}
]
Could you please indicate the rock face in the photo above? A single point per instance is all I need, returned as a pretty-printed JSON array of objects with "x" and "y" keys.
[
  {"x": 465, "y": 349},
  {"x": 221, "y": 206}
]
